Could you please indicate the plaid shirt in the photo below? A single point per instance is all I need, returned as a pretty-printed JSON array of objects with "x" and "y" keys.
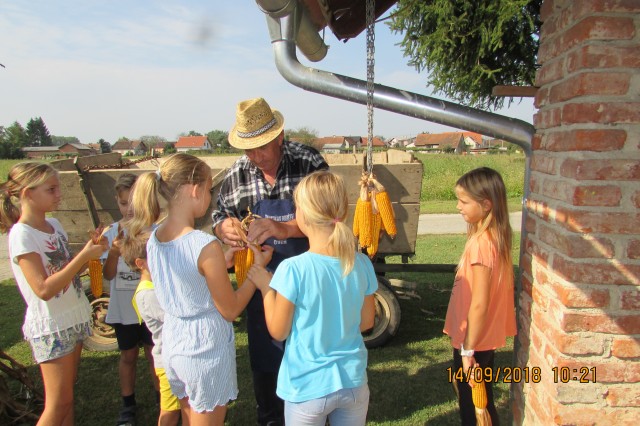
[{"x": 238, "y": 192}]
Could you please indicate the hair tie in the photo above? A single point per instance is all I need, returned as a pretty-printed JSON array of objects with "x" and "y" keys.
[
  {"x": 158, "y": 175},
  {"x": 335, "y": 220}
]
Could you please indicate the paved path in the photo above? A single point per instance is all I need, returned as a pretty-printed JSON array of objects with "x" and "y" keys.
[{"x": 427, "y": 224}]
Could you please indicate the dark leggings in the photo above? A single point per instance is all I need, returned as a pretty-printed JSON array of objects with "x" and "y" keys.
[{"x": 465, "y": 402}]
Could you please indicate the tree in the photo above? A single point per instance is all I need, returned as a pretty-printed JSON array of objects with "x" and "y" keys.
[
  {"x": 61, "y": 140},
  {"x": 105, "y": 147},
  {"x": 12, "y": 139},
  {"x": 170, "y": 148},
  {"x": 152, "y": 141},
  {"x": 469, "y": 46},
  {"x": 219, "y": 140},
  {"x": 37, "y": 133},
  {"x": 303, "y": 135}
]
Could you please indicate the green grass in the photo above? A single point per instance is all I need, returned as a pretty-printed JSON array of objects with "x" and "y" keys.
[{"x": 408, "y": 377}]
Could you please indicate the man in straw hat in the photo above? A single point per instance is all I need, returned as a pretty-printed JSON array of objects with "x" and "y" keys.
[{"x": 262, "y": 181}]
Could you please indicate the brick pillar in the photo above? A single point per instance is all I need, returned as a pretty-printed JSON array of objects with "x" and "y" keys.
[{"x": 580, "y": 304}]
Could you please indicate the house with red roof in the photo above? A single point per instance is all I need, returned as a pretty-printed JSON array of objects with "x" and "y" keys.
[
  {"x": 191, "y": 143},
  {"x": 127, "y": 147},
  {"x": 441, "y": 142}
]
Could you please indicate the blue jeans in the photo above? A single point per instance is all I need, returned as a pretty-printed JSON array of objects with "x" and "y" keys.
[{"x": 346, "y": 407}]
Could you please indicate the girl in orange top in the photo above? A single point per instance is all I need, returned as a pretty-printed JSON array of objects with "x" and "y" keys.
[{"x": 481, "y": 310}]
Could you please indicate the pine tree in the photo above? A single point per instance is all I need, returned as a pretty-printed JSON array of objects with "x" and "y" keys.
[
  {"x": 470, "y": 46},
  {"x": 37, "y": 133}
]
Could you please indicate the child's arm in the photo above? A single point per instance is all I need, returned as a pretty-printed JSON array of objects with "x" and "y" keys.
[
  {"x": 212, "y": 265},
  {"x": 481, "y": 279},
  {"x": 368, "y": 313},
  {"x": 278, "y": 310},
  {"x": 47, "y": 286},
  {"x": 110, "y": 267}
]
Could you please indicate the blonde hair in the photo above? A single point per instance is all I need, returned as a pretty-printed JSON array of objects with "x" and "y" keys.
[
  {"x": 135, "y": 247},
  {"x": 29, "y": 175},
  {"x": 179, "y": 169},
  {"x": 484, "y": 184},
  {"x": 322, "y": 198}
]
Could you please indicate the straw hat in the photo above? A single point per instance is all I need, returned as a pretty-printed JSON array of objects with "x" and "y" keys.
[{"x": 256, "y": 124}]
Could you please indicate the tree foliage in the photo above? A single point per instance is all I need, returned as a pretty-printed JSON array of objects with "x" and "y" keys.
[
  {"x": 219, "y": 140},
  {"x": 170, "y": 148},
  {"x": 470, "y": 46},
  {"x": 61, "y": 140},
  {"x": 305, "y": 135},
  {"x": 105, "y": 147},
  {"x": 12, "y": 139},
  {"x": 37, "y": 133}
]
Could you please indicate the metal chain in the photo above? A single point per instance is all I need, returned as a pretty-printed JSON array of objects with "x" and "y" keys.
[{"x": 371, "y": 37}]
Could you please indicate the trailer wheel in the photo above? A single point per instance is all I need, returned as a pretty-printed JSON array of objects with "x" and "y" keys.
[
  {"x": 104, "y": 336},
  {"x": 387, "y": 318}
]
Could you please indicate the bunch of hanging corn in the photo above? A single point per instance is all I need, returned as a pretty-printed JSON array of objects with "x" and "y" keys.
[{"x": 373, "y": 214}]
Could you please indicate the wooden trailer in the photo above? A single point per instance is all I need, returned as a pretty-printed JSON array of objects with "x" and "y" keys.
[{"x": 89, "y": 198}]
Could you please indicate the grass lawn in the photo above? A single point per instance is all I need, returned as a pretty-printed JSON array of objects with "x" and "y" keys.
[{"x": 408, "y": 377}]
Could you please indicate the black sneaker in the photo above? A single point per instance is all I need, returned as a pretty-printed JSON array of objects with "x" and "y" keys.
[{"x": 127, "y": 416}]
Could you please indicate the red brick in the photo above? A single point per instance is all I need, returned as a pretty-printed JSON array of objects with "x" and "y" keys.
[
  {"x": 633, "y": 249},
  {"x": 601, "y": 195},
  {"x": 607, "y": 371},
  {"x": 603, "y": 56},
  {"x": 572, "y": 415},
  {"x": 547, "y": 118},
  {"x": 599, "y": 28},
  {"x": 575, "y": 321},
  {"x": 548, "y": 9},
  {"x": 600, "y": 273},
  {"x": 636, "y": 199},
  {"x": 590, "y": 222},
  {"x": 601, "y": 169},
  {"x": 551, "y": 71},
  {"x": 630, "y": 300},
  {"x": 623, "y": 396},
  {"x": 543, "y": 164},
  {"x": 539, "y": 255},
  {"x": 583, "y": 297},
  {"x": 625, "y": 347},
  {"x": 530, "y": 224},
  {"x": 585, "y": 140},
  {"x": 601, "y": 112},
  {"x": 577, "y": 245},
  {"x": 580, "y": 9},
  {"x": 590, "y": 83}
]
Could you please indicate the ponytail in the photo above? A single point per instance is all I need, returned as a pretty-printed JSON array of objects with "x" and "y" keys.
[
  {"x": 145, "y": 204},
  {"x": 323, "y": 199}
]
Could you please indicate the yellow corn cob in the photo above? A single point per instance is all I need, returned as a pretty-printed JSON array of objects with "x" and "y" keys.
[
  {"x": 386, "y": 211},
  {"x": 249, "y": 260},
  {"x": 356, "y": 218},
  {"x": 375, "y": 235},
  {"x": 479, "y": 395},
  {"x": 240, "y": 265},
  {"x": 95, "y": 277},
  {"x": 366, "y": 222}
]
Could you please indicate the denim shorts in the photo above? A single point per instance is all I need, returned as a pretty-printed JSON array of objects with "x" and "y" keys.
[
  {"x": 346, "y": 407},
  {"x": 56, "y": 345}
]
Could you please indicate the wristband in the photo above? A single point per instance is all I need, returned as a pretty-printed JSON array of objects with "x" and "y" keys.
[{"x": 466, "y": 352}]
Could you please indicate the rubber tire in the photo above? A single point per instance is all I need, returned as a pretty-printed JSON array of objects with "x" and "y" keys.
[
  {"x": 98, "y": 341},
  {"x": 388, "y": 316}
]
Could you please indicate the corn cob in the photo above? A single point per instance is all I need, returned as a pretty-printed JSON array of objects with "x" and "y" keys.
[
  {"x": 479, "y": 395},
  {"x": 95, "y": 277},
  {"x": 240, "y": 265},
  {"x": 365, "y": 215},
  {"x": 372, "y": 249},
  {"x": 356, "y": 217},
  {"x": 386, "y": 209}
]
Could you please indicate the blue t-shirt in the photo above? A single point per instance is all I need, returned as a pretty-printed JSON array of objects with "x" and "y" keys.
[{"x": 325, "y": 351}]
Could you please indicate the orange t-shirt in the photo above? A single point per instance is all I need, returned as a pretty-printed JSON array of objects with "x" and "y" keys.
[{"x": 501, "y": 316}]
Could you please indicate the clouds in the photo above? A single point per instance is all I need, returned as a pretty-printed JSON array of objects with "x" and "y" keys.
[{"x": 96, "y": 69}]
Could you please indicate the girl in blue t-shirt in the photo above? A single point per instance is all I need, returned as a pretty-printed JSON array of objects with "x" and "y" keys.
[{"x": 321, "y": 301}]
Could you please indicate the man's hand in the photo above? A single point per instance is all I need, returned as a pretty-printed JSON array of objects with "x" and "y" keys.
[
  {"x": 226, "y": 231},
  {"x": 261, "y": 229}
]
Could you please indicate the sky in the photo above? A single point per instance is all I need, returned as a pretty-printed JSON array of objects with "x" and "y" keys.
[{"x": 120, "y": 68}]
